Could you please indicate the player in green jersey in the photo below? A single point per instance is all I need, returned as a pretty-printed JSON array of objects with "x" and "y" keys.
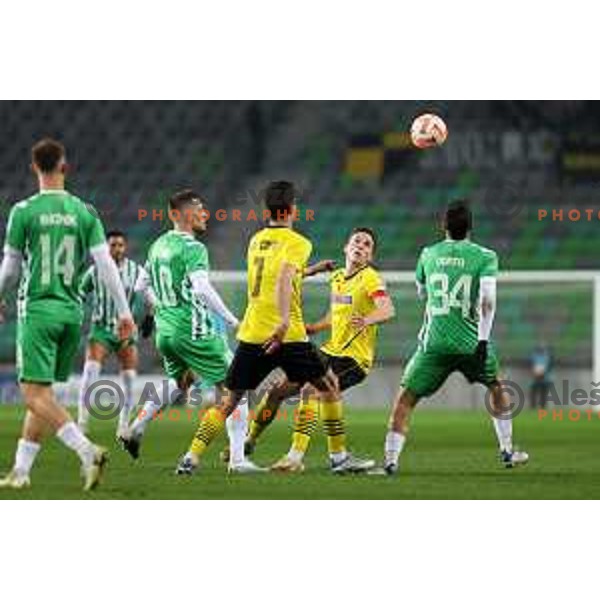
[
  {"x": 187, "y": 337},
  {"x": 47, "y": 239},
  {"x": 457, "y": 277},
  {"x": 103, "y": 338}
]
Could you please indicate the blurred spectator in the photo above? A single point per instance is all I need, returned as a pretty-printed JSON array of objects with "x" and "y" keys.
[{"x": 541, "y": 366}]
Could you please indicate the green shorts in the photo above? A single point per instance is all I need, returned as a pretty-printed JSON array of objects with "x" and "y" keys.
[
  {"x": 46, "y": 350},
  {"x": 208, "y": 358},
  {"x": 107, "y": 338},
  {"x": 426, "y": 372}
]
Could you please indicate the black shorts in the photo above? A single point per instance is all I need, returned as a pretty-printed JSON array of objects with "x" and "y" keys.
[
  {"x": 346, "y": 369},
  {"x": 300, "y": 361}
]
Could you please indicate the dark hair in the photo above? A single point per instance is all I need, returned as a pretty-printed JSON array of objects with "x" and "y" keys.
[
  {"x": 184, "y": 197},
  {"x": 46, "y": 154},
  {"x": 280, "y": 197},
  {"x": 368, "y": 231},
  {"x": 115, "y": 233},
  {"x": 459, "y": 219}
]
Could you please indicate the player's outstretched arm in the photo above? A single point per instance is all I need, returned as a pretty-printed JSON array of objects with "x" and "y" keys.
[
  {"x": 384, "y": 311},
  {"x": 143, "y": 288},
  {"x": 487, "y": 312},
  {"x": 203, "y": 289},
  {"x": 319, "y": 267},
  {"x": 144, "y": 303},
  {"x": 10, "y": 270},
  {"x": 321, "y": 325}
]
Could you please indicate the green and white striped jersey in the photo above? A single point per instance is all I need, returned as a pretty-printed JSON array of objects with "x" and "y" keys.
[
  {"x": 54, "y": 231},
  {"x": 178, "y": 311},
  {"x": 450, "y": 271},
  {"x": 104, "y": 309}
]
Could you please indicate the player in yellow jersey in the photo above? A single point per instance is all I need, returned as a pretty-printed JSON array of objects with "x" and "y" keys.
[
  {"x": 272, "y": 334},
  {"x": 359, "y": 303}
]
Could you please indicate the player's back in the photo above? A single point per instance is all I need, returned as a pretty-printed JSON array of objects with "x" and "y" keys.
[
  {"x": 268, "y": 250},
  {"x": 451, "y": 271},
  {"x": 53, "y": 230},
  {"x": 171, "y": 259}
]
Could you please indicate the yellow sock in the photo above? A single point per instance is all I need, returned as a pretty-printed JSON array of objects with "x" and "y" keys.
[
  {"x": 266, "y": 411},
  {"x": 333, "y": 423},
  {"x": 306, "y": 423},
  {"x": 211, "y": 425}
]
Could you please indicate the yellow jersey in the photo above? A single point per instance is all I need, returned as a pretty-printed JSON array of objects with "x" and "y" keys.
[
  {"x": 268, "y": 250},
  {"x": 354, "y": 295}
]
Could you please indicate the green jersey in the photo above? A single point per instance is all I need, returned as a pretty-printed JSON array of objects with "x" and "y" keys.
[
  {"x": 450, "y": 272},
  {"x": 53, "y": 230},
  {"x": 104, "y": 309},
  {"x": 178, "y": 311}
]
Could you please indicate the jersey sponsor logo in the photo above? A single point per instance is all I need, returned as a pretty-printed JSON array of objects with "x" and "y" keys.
[
  {"x": 341, "y": 299},
  {"x": 450, "y": 261},
  {"x": 265, "y": 245},
  {"x": 58, "y": 219}
]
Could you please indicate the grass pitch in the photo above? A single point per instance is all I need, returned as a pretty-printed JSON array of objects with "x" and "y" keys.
[{"x": 449, "y": 455}]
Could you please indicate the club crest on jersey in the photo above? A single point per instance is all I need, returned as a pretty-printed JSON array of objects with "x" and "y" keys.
[
  {"x": 57, "y": 219},
  {"x": 265, "y": 245}
]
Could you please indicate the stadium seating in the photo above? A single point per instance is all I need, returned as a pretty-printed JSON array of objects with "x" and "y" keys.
[{"x": 128, "y": 156}]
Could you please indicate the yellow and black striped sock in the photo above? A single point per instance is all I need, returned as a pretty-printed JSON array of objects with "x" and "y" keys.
[
  {"x": 266, "y": 411},
  {"x": 306, "y": 423},
  {"x": 211, "y": 425},
  {"x": 333, "y": 423}
]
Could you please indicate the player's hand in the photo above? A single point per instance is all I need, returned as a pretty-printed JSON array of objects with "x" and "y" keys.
[
  {"x": 481, "y": 353},
  {"x": 359, "y": 322},
  {"x": 320, "y": 267},
  {"x": 125, "y": 328},
  {"x": 324, "y": 265},
  {"x": 147, "y": 326},
  {"x": 276, "y": 339},
  {"x": 311, "y": 329}
]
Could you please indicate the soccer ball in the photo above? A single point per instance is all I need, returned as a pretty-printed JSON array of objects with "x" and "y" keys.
[{"x": 428, "y": 130}]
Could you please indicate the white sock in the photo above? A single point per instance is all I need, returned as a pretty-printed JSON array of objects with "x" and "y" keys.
[
  {"x": 503, "y": 428},
  {"x": 153, "y": 406},
  {"x": 25, "y": 455},
  {"x": 70, "y": 435},
  {"x": 191, "y": 456},
  {"x": 128, "y": 376},
  {"x": 91, "y": 372},
  {"x": 338, "y": 457},
  {"x": 394, "y": 443},
  {"x": 237, "y": 429},
  {"x": 295, "y": 455}
]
